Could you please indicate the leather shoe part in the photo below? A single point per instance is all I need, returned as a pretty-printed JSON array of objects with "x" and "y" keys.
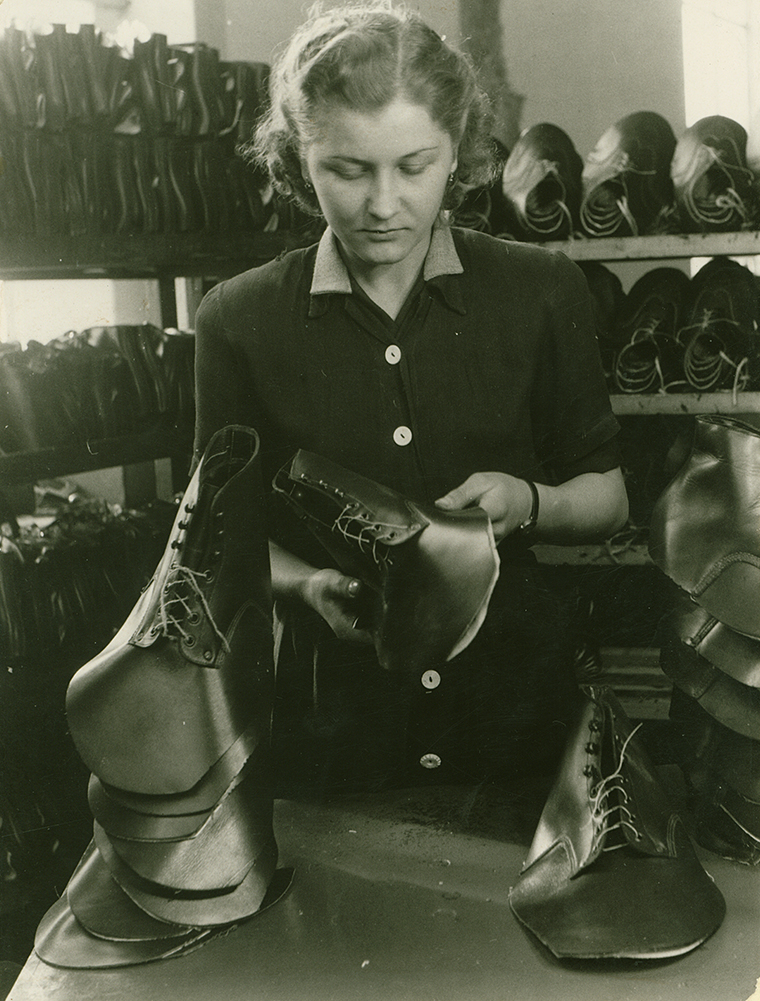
[
  {"x": 705, "y": 526},
  {"x": 198, "y": 801},
  {"x": 191, "y": 668},
  {"x": 713, "y": 186},
  {"x": 611, "y": 872},
  {"x": 216, "y": 856},
  {"x": 61, "y": 941},
  {"x": 733, "y": 704},
  {"x": 252, "y": 896},
  {"x": 542, "y": 181},
  {"x": 105, "y": 911},
  {"x": 626, "y": 177},
  {"x": 717, "y": 749},
  {"x": 732, "y": 653},
  {"x": 431, "y": 572}
]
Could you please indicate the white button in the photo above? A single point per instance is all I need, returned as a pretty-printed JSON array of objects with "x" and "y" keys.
[
  {"x": 393, "y": 354},
  {"x": 430, "y": 761},
  {"x": 402, "y": 435},
  {"x": 431, "y": 679}
]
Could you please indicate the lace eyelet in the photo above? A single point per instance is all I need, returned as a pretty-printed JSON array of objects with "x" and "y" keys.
[
  {"x": 592, "y": 748},
  {"x": 209, "y": 575},
  {"x": 193, "y": 618},
  {"x": 190, "y": 641}
]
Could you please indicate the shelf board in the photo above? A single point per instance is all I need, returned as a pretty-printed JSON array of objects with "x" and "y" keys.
[
  {"x": 157, "y": 443},
  {"x": 722, "y": 402},
  {"x": 670, "y": 245},
  {"x": 597, "y": 554},
  {"x": 143, "y": 255}
]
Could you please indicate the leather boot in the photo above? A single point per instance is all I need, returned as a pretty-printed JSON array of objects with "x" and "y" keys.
[
  {"x": 174, "y": 720},
  {"x": 651, "y": 358},
  {"x": 627, "y": 190},
  {"x": 611, "y": 873},
  {"x": 714, "y": 188},
  {"x": 719, "y": 330},
  {"x": 430, "y": 573},
  {"x": 190, "y": 669},
  {"x": 542, "y": 181}
]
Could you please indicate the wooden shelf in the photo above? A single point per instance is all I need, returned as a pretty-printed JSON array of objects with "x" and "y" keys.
[
  {"x": 671, "y": 245},
  {"x": 722, "y": 402},
  {"x": 602, "y": 554},
  {"x": 145, "y": 255},
  {"x": 157, "y": 443}
]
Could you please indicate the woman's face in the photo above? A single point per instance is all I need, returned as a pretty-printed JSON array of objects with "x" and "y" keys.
[{"x": 380, "y": 178}]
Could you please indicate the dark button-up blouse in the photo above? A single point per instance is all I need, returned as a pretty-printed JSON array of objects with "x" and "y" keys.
[{"x": 492, "y": 364}]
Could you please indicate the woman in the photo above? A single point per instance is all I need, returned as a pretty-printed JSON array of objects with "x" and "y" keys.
[{"x": 446, "y": 364}]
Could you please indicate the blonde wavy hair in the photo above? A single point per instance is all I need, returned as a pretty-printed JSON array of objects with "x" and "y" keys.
[{"x": 364, "y": 55}]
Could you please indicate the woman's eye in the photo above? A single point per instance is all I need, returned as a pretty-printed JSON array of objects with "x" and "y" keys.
[
  {"x": 348, "y": 173},
  {"x": 413, "y": 168}
]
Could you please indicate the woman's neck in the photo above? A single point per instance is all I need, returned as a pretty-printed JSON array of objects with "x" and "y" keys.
[{"x": 388, "y": 285}]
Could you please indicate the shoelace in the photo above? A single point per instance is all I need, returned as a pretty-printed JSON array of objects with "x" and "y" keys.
[
  {"x": 351, "y": 529},
  {"x": 175, "y": 607},
  {"x": 729, "y": 200},
  {"x": 600, "y": 795}
]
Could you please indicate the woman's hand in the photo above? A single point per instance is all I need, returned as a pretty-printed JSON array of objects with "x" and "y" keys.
[
  {"x": 506, "y": 500},
  {"x": 338, "y": 599}
]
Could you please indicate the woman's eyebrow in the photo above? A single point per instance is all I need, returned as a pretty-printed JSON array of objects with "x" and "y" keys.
[{"x": 344, "y": 158}]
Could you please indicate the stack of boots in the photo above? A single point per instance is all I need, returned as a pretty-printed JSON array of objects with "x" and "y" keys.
[
  {"x": 430, "y": 573},
  {"x": 719, "y": 333},
  {"x": 713, "y": 186},
  {"x": 705, "y": 530},
  {"x": 627, "y": 190},
  {"x": 705, "y": 534},
  {"x": 651, "y": 357},
  {"x": 542, "y": 182},
  {"x": 718, "y": 670},
  {"x": 173, "y": 719},
  {"x": 611, "y": 873}
]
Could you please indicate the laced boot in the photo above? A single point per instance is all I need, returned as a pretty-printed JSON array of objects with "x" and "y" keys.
[
  {"x": 542, "y": 181},
  {"x": 611, "y": 873},
  {"x": 651, "y": 358},
  {"x": 430, "y": 572},
  {"x": 720, "y": 327},
  {"x": 174, "y": 720},
  {"x": 715, "y": 190},
  {"x": 627, "y": 190}
]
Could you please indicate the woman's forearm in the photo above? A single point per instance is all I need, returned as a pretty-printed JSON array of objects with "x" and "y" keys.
[
  {"x": 290, "y": 575},
  {"x": 588, "y": 508}
]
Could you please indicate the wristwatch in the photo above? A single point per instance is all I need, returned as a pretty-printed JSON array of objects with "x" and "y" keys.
[{"x": 526, "y": 528}]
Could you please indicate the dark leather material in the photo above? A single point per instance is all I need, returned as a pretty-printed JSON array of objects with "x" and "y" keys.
[
  {"x": 721, "y": 751},
  {"x": 262, "y": 886},
  {"x": 542, "y": 182},
  {"x": 733, "y": 704},
  {"x": 119, "y": 821},
  {"x": 611, "y": 872},
  {"x": 431, "y": 572},
  {"x": 705, "y": 526},
  {"x": 191, "y": 668},
  {"x": 105, "y": 911},
  {"x": 720, "y": 326},
  {"x": 731, "y": 652},
  {"x": 714, "y": 188},
  {"x": 197, "y": 801},
  {"x": 62, "y": 941},
  {"x": 651, "y": 357},
  {"x": 627, "y": 190},
  {"x": 217, "y": 855}
]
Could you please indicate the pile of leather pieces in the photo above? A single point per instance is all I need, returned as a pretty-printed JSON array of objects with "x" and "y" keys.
[
  {"x": 705, "y": 535},
  {"x": 673, "y": 334},
  {"x": 103, "y": 382},
  {"x": 173, "y": 719},
  {"x": 639, "y": 179},
  {"x": 100, "y": 140}
]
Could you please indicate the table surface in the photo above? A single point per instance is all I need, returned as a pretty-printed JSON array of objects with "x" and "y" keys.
[{"x": 403, "y": 897}]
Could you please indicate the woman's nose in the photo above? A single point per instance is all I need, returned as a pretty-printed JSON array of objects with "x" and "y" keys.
[{"x": 383, "y": 196}]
